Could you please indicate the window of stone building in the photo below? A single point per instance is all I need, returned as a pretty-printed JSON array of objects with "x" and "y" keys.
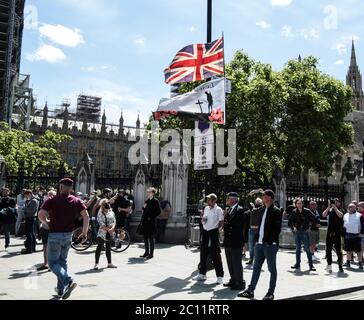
[
  {"x": 127, "y": 166},
  {"x": 110, "y": 163},
  {"x": 92, "y": 146},
  {"x": 110, "y": 148},
  {"x": 73, "y": 145},
  {"x": 72, "y": 160}
]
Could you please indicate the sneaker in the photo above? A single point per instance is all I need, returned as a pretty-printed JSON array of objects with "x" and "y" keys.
[
  {"x": 246, "y": 294},
  {"x": 312, "y": 268},
  {"x": 42, "y": 268},
  {"x": 111, "y": 266},
  {"x": 59, "y": 293},
  {"x": 296, "y": 267},
  {"x": 341, "y": 270},
  {"x": 200, "y": 277},
  {"x": 220, "y": 280},
  {"x": 71, "y": 286},
  {"x": 329, "y": 268},
  {"x": 348, "y": 264},
  {"x": 96, "y": 267},
  {"x": 269, "y": 296},
  {"x": 6, "y": 249}
]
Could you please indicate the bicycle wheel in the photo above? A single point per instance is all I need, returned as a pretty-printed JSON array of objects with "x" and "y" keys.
[
  {"x": 121, "y": 240},
  {"x": 76, "y": 244}
]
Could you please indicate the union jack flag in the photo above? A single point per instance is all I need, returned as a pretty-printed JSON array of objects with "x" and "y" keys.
[{"x": 196, "y": 62}]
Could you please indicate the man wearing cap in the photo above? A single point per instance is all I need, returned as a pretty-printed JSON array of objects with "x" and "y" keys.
[
  {"x": 235, "y": 225},
  {"x": 62, "y": 211},
  {"x": 266, "y": 247},
  {"x": 212, "y": 221}
]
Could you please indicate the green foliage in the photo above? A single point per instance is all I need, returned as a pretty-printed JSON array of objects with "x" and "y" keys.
[
  {"x": 23, "y": 152},
  {"x": 293, "y": 119}
]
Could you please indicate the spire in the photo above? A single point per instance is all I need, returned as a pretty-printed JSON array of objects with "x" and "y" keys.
[
  {"x": 84, "y": 126},
  {"x": 354, "y": 80},
  {"x": 138, "y": 122},
  {"x": 353, "y": 55},
  {"x": 45, "y": 116},
  {"x": 103, "y": 125},
  {"x": 299, "y": 58},
  {"x": 104, "y": 118},
  {"x": 121, "y": 121},
  {"x": 65, "y": 119}
]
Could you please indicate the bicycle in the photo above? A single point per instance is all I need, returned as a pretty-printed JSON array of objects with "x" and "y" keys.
[{"x": 120, "y": 241}]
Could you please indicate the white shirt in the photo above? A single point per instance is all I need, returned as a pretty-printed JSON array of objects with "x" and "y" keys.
[
  {"x": 352, "y": 222},
  {"x": 213, "y": 216},
  {"x": 261, "y": 232}
]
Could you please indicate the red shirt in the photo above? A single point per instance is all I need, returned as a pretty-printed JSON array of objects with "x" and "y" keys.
[
  {"x": 63, "y": 210},
  {"x": 362, "y": 213}
]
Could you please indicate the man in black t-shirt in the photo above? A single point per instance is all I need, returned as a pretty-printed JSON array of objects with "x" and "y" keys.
[
  {"x": 333, "y": 238},
  {"x": 121, "y": 207}
]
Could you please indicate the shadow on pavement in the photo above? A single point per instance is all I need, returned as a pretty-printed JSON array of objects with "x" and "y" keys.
[
  {"x": 136, "y": 261},
  {"x": 90, "y": 271}
]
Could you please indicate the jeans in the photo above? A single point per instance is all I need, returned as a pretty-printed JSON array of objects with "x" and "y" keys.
[
  {"x": 262, "y": 252},
  {"x": 302, "y": 237},
  {"x": 19, "y": 220},
  {"x": 161, "y": 228},
  {"x": 94, "y": 228},
  {"x": 30, "y": 242},
  {"x": 252, "y": 236},
  {"x": 7, "y": 230},
  {"x": 58, "y": 247}
]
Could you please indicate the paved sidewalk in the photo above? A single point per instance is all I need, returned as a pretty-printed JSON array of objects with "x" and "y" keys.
[{"x": 168, "y": 276}]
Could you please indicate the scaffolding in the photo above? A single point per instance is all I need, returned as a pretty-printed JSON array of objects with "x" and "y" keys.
[
  {"x": 88, "y": 108},
  {"x": 22, "y": 100},
  {"x": 11, "y": 33}
]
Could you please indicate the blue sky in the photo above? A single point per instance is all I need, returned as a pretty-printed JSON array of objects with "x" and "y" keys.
[{"x": 118, "y": 49}]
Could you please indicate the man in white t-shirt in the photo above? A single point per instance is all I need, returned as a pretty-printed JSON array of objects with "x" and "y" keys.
[{"x": 212, "y": 221}]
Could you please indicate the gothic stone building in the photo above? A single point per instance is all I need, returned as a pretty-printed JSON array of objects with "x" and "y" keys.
[{"x": 107, "y": 145}]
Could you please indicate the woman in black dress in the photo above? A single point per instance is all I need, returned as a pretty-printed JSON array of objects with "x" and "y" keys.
[{"x": 151, "y": 211}]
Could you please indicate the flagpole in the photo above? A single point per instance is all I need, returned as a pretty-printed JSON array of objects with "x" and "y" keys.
[{"x": 209, "y": 21}]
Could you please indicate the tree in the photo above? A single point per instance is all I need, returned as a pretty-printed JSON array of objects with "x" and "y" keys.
[
  {"x": 293, "y": 119},
  {"x": 22, "y": 152}
]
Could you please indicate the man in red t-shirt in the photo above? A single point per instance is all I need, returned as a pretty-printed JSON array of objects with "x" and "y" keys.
[{"x": 62, "y": 211}]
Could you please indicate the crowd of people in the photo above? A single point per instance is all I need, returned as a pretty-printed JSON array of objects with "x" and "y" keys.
[
  {"x": 52, "y": 216},
  {"x": 260, "y": 227}
]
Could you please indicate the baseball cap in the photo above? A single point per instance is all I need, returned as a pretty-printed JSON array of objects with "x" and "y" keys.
[
  {"x": 212, "y": 196},
  {"x": 66, "y": 182}
]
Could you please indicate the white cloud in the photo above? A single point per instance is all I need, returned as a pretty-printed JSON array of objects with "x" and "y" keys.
[
  {"x": 192, "y": 29},
  {"x": 287, "y": 32},
  {"x": 310, "y": 34},
  {"x": 140, "y": 42},
  {"x": 280, "y": 3},
  {"x": 342, "y": 46},
  {"x": 47, "y": 53},
  {"x": 62, "y": 35},
  {"x": 340, "y": 62},
  {"x": 94, "y": 69},
  {"x": 263, "y": 24}
]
